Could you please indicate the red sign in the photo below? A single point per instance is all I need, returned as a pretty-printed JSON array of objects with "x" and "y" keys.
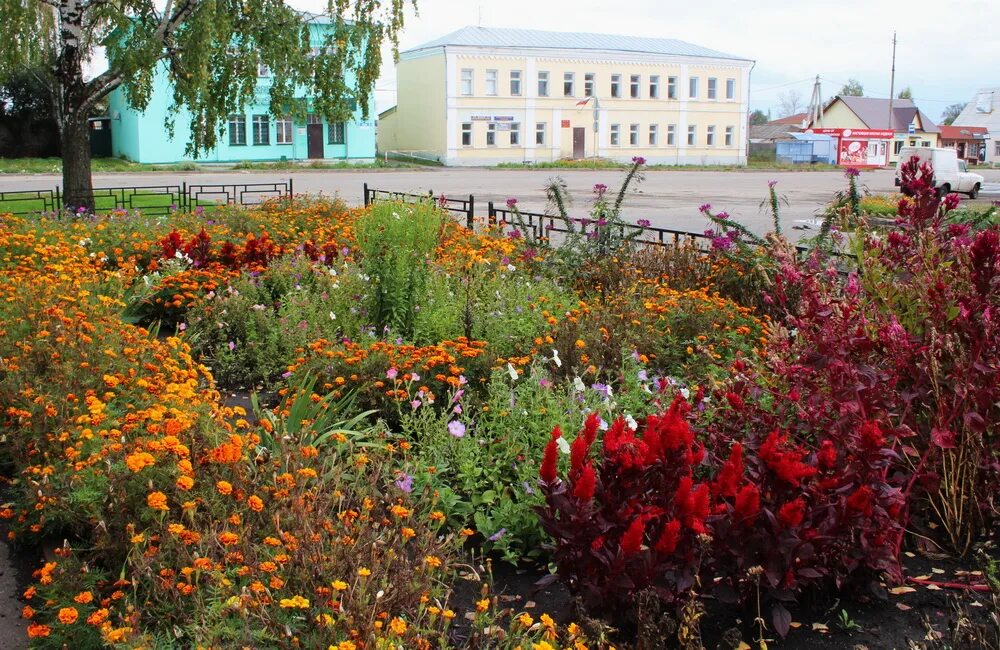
[
  {"x": 857, "y": 134},
  {"x": 565, "y": 124}
]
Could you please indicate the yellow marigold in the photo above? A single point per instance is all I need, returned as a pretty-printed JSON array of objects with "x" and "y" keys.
[
  {"x": 255, "y": 503},
  {"x": 225, "y": 488},
  {"x": 432, "y": 561},
  {"x": 542, "y": 645},
  {"x": 185, "y": 483},
  {"x": 437, "y": 516},
  {"x": 157, "y": 501},
  {"x": 364, "y": 572},
  {"x": 580, "y": 344},
  {"x": 228, "y": 539},
  {"x": 139, "y": 461},
  {"x": 399, "y": 511},
  {"x": 339, "y": 585},
  {"x": 295, "y": 602},
  {"x": 398, "y": 626},
  {"x": 68, "y": 615},
  {"x": 525, "y": 619},
  {"x": 448, "y": 614},
  {"x": 344, "y": 645},
  {"x": 482, "y": 605},
  {"x": 408, "y": 533}
]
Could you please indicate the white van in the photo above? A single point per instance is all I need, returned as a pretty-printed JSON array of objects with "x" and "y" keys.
[{"x": 950, "y": 173}]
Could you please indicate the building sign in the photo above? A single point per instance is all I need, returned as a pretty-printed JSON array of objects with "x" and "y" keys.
[
  {"x": 480, "y": 118},
  {"x": 861, "y": 147},
  {"x": 503, "y": 118},
  {"x": 565, "y": 124}
]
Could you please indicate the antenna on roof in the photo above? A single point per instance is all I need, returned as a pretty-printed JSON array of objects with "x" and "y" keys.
[{"x": 892, "y": 78}]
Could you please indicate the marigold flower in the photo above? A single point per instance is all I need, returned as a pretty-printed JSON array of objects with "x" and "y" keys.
[
  {"x": 339, "y": 585},
  {"x": 364, "y": 572},
  {"x": 255, "y": 503},
  {"x": 397, "y": 626},
  {"x": 437, "y": 516},
  {"x": 139, "y": 461},
  {"x": 295, "y": 602},
  {"x": 482, "y": 605},
  {"x": 408, "y": 533},
  {"x": 224, "y": 488},
  {"x": 524, "y": 618},
  {"x": 83, "y": 597},
  {"x": 432, "y": 561},
  {"x": 157, "y": 501},
  {"x": 98, "y": 617},
  {"x": 27, "y": 611},
  {"x": 36, "y": 631},
  {"x": 228, "y": 539},
  {"x": 68, "y": 615},
  {"x": 185, "y": 483}
]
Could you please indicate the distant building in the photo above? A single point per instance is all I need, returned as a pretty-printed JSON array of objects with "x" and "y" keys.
[
  {"x": 482, "y": 96},
  {"x": 253, "y": 134},
  {"x": 969, "y": 142},
  {"x": 796, "y": 120},
  {"x": 984, "y": 110},
  {"x": 866, "y": 134}
]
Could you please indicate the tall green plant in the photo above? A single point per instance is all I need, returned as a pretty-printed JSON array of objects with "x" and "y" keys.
[{"x": 397, "y": 242}]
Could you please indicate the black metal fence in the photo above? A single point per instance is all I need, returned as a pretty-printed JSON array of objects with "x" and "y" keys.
[
  {"x": 462, "y": 207},
  {"x": 150, "y": 199}
]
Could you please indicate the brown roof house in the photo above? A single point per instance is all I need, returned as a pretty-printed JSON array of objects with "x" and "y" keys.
[
  {"x": 969, "y": 142},
  {"x": 911, "y": 126}
]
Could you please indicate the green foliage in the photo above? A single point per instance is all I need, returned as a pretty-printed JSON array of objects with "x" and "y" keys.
[
  {"x": 397, "y": 242},
  {"x": 852, "y": 88}
]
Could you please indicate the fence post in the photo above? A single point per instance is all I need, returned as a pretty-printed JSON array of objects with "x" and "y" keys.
[
  {"x": 291, "y": 191},
  {"x": 469, "y": 222},
  {"x": 366, "y": 196},
  {"x": 57, "y": 203},
  {"x": 185, "y": 203},
  {"x": 491, "y": 214}
]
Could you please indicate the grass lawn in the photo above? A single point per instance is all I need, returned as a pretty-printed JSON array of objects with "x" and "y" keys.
[{"x": 28, "y": 202}]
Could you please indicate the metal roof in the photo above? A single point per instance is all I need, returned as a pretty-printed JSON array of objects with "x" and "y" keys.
[
  {"x": 493, "y": 37},
  {"x": 874, "y": 112}
]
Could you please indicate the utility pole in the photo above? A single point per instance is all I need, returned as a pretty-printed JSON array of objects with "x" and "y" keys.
[
  {"x": 815, "y": 117},
  {"x": 892, "y": 78}
]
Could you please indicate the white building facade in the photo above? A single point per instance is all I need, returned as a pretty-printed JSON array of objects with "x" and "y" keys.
[
  {"x": 483, "y": 96},
  {"x": 984, "y": 110}
]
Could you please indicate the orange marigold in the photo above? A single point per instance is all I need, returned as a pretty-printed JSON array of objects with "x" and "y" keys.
[
  {"x": 255, "y": 503},
  {"x": 68, "y": 615},
  {"x": 185, "y": 483},
  {"x": 225, "y": 488},
  {"x": 36, "y": 631},
  {"x": 228, "y": 539},
  {"x": 157, "y": 501}
]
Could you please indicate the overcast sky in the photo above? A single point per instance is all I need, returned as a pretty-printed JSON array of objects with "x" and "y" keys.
[{"x": 945, "y": 50}]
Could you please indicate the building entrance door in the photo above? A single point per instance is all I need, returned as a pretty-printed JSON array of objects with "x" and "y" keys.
[
  {"x": 579, "y": 142},
  {"x": 314, "y": 140}
]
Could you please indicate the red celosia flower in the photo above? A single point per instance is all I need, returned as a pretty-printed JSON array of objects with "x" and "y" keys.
[
  {"x": 598, "y": 543},
  {"x": 699, "y": 509},
  {"x": 861, "y": 501},
  {"x": 871, "y": 436},
  {"x": 585, "y": 484},
  {"x": 731, "y": 473},
  {"x": 669, "y": 537},
  {"x": 556, "y": 433},
  {"x": 623, "y": 448},
  {"x": 791, "y": 513},
  {"x": 590, "y": 426},
  {"x": 827, "y": 455},
  {"x": 747, "y": 503},
  {"x": 787, "y": 465},
  {"x": 735, "y": 401},
  {"x": 578, "y": 454},
  {"x": 548, "y": 469},
  {"x": 632, "y": 539}
]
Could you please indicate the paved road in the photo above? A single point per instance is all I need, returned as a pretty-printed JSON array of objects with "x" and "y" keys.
[{"x": 667, "y": 198}]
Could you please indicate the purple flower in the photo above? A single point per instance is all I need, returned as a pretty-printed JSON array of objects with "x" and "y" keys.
[
  {"x": 771, "y": 184},
  {"x": 643, "y": 376},
  {"x": 514, "y": 234},
  {"x": 851, "y": 172},
  {"x": 643, "y": 223},
  {"x": 405, "y": 482},
  {"x": 497, "y": 535},
  {"x": 722, "y": 243},
  {"x": 391, "y": 373},
  {"x": 705, "y": 207},
  {"x": 415, "y": 376},
  {"x": 528, "y": 489},
  {"x": 600, "y": 189},
  {"x": 511, "y": 203},
  {"x": 639, "y": 160},
  {"x": 232, "y": 346},
  {"x": 182, "y": 326},
  {"x": 603, "y": 389},
  {"x": 723, "y": 215},
  {"x": 415, "y": 404},
  {"x": 456, "y": 429},
  {"x": 286, "y": 375},
  {"x": 200, "y": 210}
]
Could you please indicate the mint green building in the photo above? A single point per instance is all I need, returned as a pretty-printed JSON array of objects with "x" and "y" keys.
[{"x": 254, "y": 134}]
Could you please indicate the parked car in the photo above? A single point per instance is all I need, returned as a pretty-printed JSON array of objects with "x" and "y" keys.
[{"x": 950, "y": 173}]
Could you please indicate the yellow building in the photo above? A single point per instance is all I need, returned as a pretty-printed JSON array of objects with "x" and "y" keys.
[
  {"x": 482, "y": 96},
  {"x": 908, "y": 124}
]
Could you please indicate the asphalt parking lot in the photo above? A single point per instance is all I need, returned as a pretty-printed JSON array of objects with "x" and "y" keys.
[{"x": 668, "y": 199}]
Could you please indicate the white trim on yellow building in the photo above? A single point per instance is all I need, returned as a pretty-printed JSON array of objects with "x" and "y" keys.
[{"x": 456, "y": 101}]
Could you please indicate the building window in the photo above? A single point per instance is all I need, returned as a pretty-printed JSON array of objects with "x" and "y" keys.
[
  {"x": 654, "y": 86},
  {"x": 671, "y": 87},
  {"x": 925, "y": 143},
  {"x": 335, "y": 133},
  {"x": 466, "y": 134},
  {"x": 729, "y": 136},
  {"x": 671, "y": 135},
  {"x": 616, "y": 85},
  {"x": 263, "y": 70},
  {"x": 237, "y": 130},
  {"x": 588, "y": 84},
  {"x": 261, "y": 129},
  {"x": 633, "y": 135},
  {"x": 693, "y": 88},
  {"x": 692, "y": 129},
  {"x": 491, "y": 82},
  {"x": 491, "y": 135},
  {"x": 568, "y": 79},
  {"x": 466, "y": 81},
  {"x": 540, "y": 133},
  {"x": 653, "y": 135},
  {"x": 712, "y": 83},
  {"x": 730, "y": 89},
  {"x": 996, "y": 150},
  {"x": 543, "y": 84},
  {"x": 283, "y": 130},
  {"x": 515, "y": 134},
  {"x": 897, "y": 147},
  {"x": 313, "y": 118},
  {"x": 633, "y": 86},
  {"x": 515, "y": 82},
  {"x": 710, "y": 136},
  {"x": 615, "y": 135}
]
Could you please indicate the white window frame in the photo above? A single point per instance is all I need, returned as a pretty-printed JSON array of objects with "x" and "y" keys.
[
  {"x": 491, "y": 135},
  {"x": 492, "y": 78},
  {"x": 261, "y": 129},
  {"x": 730, "y": 89},
  {"x": 284, "y": 130},
  {"x": 616, "y": 86},
  {"x": 633, "y": 135},
  {"x": 671, "y": 135},
  {"x": 515, "y": 83},
  {"x": 654, "y": 135},
  {"x": 730, "y": 132},
  {"x": 635, "y": 86},
  {"x": 693, "y": 88},
  {"x": 671, "y": 87},
  {"x": 614, "y": 135},
  {"x": 589, "y": 81},
  {"x": 712, "y": 91},
  {"x": 543, "y": 83},
  {"x": 466, "y": 130},
  {"x": 467, "y": 84},
  {"x": 710, "y": 136},
  {"x": 237, "y": 130},
  {"x": 569, "y": 84},
  {"x": 692, "y": 135},
  {"x": 540, "y": 134},
  {"x": 654, "y": 86},
  {"x": 515, "y": 134}
]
